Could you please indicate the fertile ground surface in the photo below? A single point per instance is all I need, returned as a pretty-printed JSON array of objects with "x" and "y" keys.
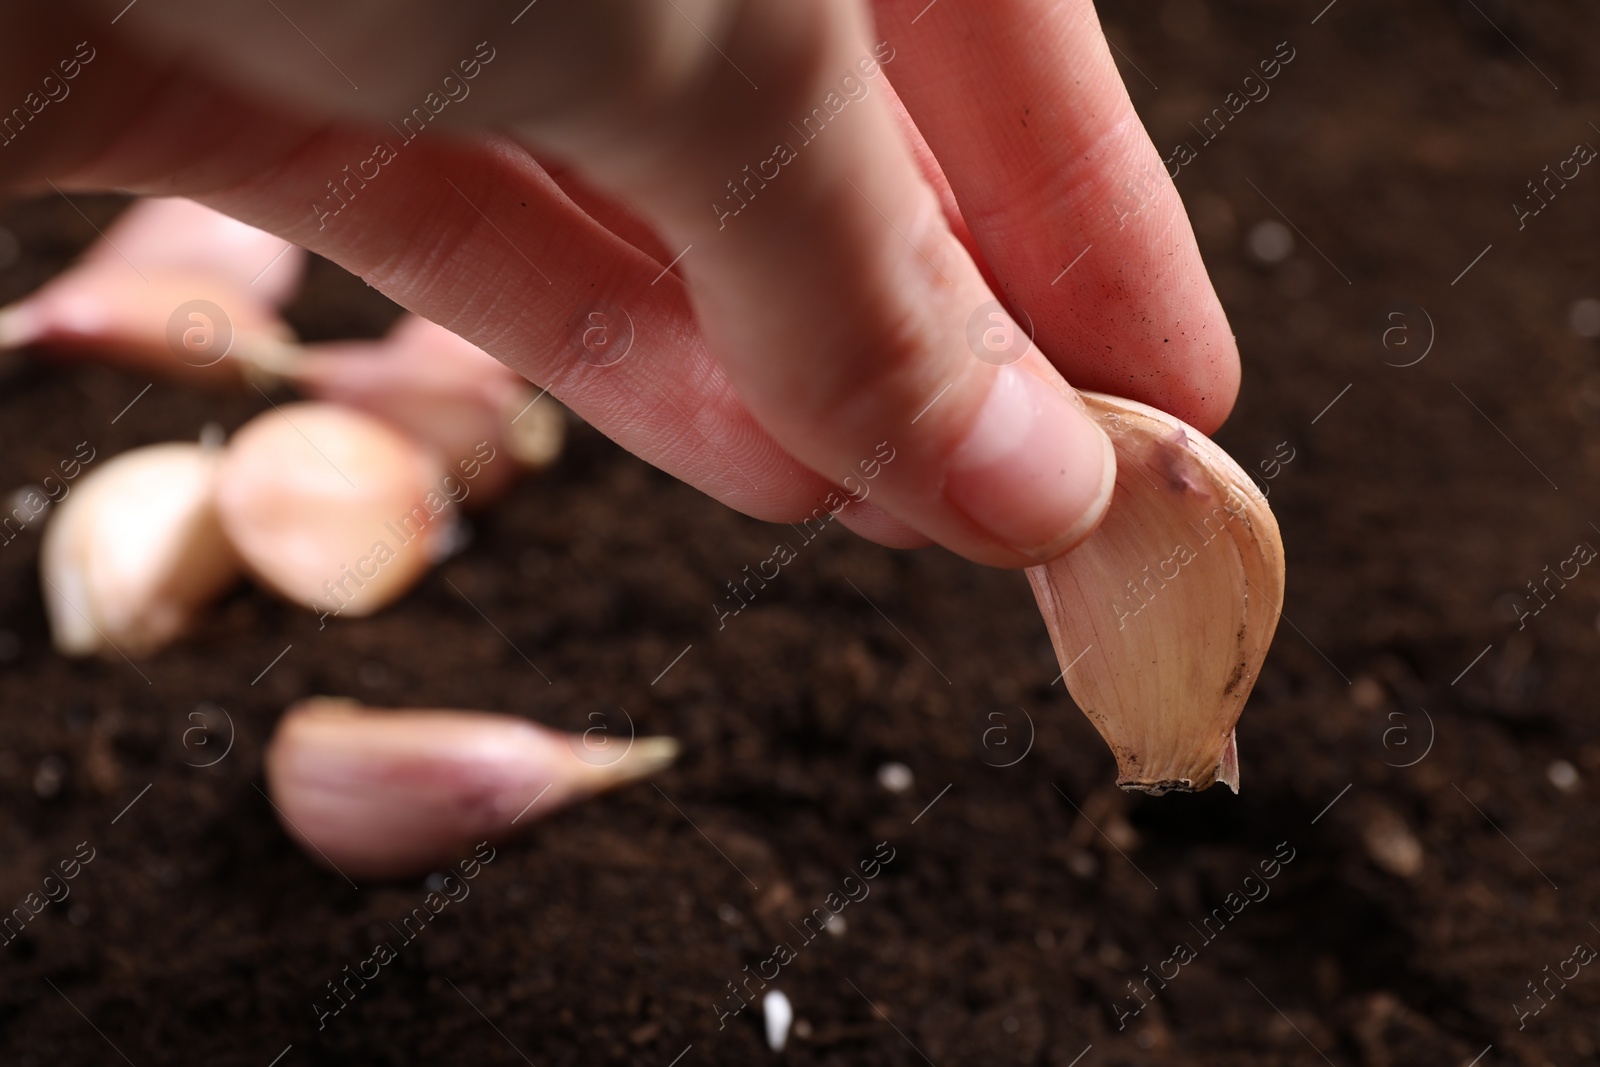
[{"x": 1425, "y": 762}]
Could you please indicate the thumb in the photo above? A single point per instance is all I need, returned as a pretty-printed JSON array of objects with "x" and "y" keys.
[{"x": 824, "y": 274}]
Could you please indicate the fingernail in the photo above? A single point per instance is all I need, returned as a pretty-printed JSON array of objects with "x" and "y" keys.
[{"x": 1034, "y": 471}]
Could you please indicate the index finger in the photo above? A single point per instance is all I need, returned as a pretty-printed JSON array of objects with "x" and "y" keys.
[{"x": 1066, "y": 197}]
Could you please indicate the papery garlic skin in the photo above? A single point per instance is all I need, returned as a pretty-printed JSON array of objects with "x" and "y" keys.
[
  {"x": 135, "y": 552},
  {"x": 381, "y": 793},
  {"x": 1163, "y": 616},
  {"x": 331, "y": 508}
]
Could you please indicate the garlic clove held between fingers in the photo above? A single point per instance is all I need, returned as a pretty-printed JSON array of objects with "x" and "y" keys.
[
  {"x": 381, "y": 793},
  {"x": 1163, "y": 616},
  {"x": 332, "y": 508},
  {"x": 135, "y": 552}
]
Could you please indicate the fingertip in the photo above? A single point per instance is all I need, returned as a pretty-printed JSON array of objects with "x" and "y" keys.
[
  {"x": 1201, "y": 383},
  {"x": 1033, "y": 471}
]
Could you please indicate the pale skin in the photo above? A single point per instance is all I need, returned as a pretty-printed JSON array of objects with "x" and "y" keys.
[{"x": 991, "y": 147}]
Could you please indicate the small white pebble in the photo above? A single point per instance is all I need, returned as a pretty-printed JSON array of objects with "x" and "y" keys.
[
  {"x": 1563, "y": 775},
  {"x": 895, "y": 777},
  {"x": 1270, "y": 241},
  {"x": 47, "y": 778},
  {"x": 1367, "y": 692},
  {"x": 836, "y": 925},
  {"x": 435, "y": 881},
  {"x": 457, "y": 536},
  {"x": 20, "y": 504},
  {"x": 728, "y": 914},
  {"x": 1083, "y": 864},
  {"x": 1585, "y": 317},
  {"x": 1392, "y": 845},
  {"x": 778, "y": 1014}
]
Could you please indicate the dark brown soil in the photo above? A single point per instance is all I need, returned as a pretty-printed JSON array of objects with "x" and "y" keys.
[{"x": 1021, "y": 900}]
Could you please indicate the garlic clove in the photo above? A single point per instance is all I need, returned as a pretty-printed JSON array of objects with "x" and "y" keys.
[
  {"x": 173, "y": 233},
  {"x": 444, "y": 390},
  {"x": 381, "y": 793},
  {"x": 176, "y": 323},
  {"x": 1163, "y": 616},
  {"x": 173, "y": 288},
  {"x": 535, "y": 427},
  {"x": 332, "y": 508},
  {"x": 134, "y": 552}
]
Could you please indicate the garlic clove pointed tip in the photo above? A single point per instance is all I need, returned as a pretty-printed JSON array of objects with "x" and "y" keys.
[
  {"x": 645, "y": 758},
  {"x": 18, "y": 326},
  {"x": 535, "y": 429},
  {"x": 656, "y": 753},
  {"x": 269, "y": 361}
]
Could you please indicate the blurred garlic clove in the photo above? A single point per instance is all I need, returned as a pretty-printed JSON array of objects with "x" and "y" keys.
[
  {"x": 444, "y": 390},
  {"x": 173, "y": 288},
  {"x": 1163, "y": 616},
  {"x": 332, "y": 508},
  {"x": 535, "y": 428},
  {"x": 177, "y": 324},
  {"x": 177, "y": 234},
  {"x": 381, "y": 793},
  {"x": 135, "y": 551}
]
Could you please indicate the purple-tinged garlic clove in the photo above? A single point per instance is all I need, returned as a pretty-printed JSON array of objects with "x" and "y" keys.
[
  {"x": 174, "y": 323},
  {"x": 173, "y": 288},
  {"x": 380, "y": 793}
]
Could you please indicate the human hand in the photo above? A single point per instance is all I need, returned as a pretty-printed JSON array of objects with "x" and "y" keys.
[{"x": 829, "y": 308}]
